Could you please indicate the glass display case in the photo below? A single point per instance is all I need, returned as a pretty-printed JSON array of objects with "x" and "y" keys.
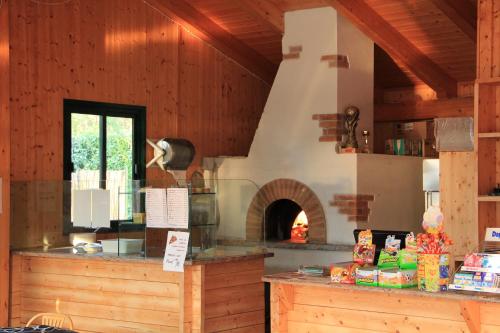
[{"x": 46, "y": 214}]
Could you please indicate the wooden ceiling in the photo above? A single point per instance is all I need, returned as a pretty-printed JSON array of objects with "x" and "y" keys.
[{"x": 421, "y": 41}]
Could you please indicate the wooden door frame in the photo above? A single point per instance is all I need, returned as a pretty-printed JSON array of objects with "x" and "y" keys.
[{"x": 4, "y": 162}]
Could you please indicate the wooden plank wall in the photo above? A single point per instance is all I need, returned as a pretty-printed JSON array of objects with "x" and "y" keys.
[
  {"x": 100, "y": 296},
  {"x": 324, "y": 310},
  {"x": 122, "y": 51},
  {"x": 234, "y": 297},
  {"x": 127, "y": 296},
  {"x": 4, "y": 159},
  {"x": 487, "y": 111},
  {"x": 118, "y": 51},
  {"x": 458, "y": 199}
]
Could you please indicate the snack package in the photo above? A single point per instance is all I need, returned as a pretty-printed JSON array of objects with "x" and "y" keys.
[
  {"x": 395, "y": 278},
  {"x": 363, "y": 254},
  {"x": 410, "y": 243},
  {"x": 392, "y": 244},
  {"x": 407, "y": 259},
  {"x": 388, "y": 259},
  {"x": 463, "y": 278},
  {"x": 344, "y": 273},
  {"x": 367, "y": 276},
  {"x": 365, "y": 237}
]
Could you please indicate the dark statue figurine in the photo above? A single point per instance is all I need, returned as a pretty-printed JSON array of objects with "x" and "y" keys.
[{"x": 351, "y": 117}]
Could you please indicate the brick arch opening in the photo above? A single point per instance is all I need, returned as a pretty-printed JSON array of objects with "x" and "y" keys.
[{"x": 292, "y": 190}]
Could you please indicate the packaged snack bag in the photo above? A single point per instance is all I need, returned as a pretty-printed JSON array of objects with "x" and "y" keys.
[
  {"x": 363, "y": 254},
  {"x": 392, "y": 244},
  {"x": 407, "y": 259},
  {"x": 344, "y": 273},
  {"x": 388, "y": 259},
  {"x": 365, "y": 237},
  {"x": 410, "y": 242}
]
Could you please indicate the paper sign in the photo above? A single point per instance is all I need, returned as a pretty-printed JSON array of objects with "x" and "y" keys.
[
  {"x": 156, "y": 208},
  {"x": 101, "y": 207},
  {"x": 492, "y": 235},
  {"x": 82, "y": 208},
  {"x": 177, "y": 208},
  {"x": 175, "y": 251}
]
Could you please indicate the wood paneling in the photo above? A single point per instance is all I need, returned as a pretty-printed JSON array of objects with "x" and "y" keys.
[
  {"x": 100, "y": 296},
  {"x": 118, "y": 51},
  {"x": 487, "y": 111},
  {"x": 456, "y": 107},
  {"x": 122, "y": 52},
  {"x": 390, "y": 38},
  {"x": 457, "y": 195},
  {"x": 433, "y": 33},
  {"x": 307, "y": 308},
  {"x": 134, "y": 296},
  {"x": 4, "y": 160}
]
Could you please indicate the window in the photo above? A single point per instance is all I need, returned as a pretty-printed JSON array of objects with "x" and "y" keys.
[{"x": 104, "y": 148}]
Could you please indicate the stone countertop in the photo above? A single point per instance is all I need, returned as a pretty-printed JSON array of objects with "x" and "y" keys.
[
  {"x": 221, "y": 255},
  {"x": 295, "y": 278}
]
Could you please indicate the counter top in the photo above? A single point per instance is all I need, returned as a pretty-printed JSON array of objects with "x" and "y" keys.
[
  {"x": 295, "y": 278},
  {"x": 221, "y": 255}
]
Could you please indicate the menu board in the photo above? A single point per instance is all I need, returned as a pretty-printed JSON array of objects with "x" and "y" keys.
[
  {"x": 167, "y": 208},
  {"x": 177, "y": 208}
]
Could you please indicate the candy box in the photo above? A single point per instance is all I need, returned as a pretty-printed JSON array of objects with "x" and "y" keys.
[
  {"x": 365, "y": 237},
  {"x": 491, "y": 261},
  {"x": 367, "y": 276},
  {"x": 363, "y": 254},
  {"x": 463, "y": 278},
  {"x": 395, "y": 278},
  {"x": 388, "y": 259},
  {"x": 344, "y": 273},
  {"x": 407, "y": 259},
  {"x": 473, "y": 260}
]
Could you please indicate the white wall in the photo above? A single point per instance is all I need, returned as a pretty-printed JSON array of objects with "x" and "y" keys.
[
  {"x": 286, "y": 141},
  {"x": 396, "y": 183}
]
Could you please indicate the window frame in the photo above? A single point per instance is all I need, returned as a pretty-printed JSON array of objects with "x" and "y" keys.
[{"x": 138, "y": 115}]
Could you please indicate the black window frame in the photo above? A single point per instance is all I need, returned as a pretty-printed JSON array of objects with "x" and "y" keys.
[{"x": 137, "y": 113}]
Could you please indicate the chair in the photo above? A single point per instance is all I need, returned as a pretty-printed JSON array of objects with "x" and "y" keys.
[{"x": 52, "y": 319}]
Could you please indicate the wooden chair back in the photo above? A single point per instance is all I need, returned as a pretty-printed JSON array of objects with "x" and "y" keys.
[{"x": 52, "y": 319}]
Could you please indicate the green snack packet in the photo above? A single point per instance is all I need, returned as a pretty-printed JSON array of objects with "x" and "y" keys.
[
  {"x": 407, "y": 259},
  {"x": 388, "y": 259}
]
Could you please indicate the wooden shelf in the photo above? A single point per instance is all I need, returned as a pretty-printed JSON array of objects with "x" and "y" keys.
[
  {"x": 489, "y": 135},
  {"x": 488, "y": 198},
  {"x": 492, "y": 81}
]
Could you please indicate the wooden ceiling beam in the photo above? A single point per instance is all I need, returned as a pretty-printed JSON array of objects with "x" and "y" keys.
[
  {"x": 396, "y": 45},
  {"x": 266, "y": 12},
  {"x": 441, "y": 108},
  {"x": 206, "y": 29},
  {"x": 462, "y": 12}
]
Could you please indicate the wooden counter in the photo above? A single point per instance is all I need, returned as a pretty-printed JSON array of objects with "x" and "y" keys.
[
  {"x": 124, "y": 295},
  {"x": 310, "y": 304}
]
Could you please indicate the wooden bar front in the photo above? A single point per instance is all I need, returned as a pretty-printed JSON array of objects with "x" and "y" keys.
[
  {"x": 307, "y": 305},
  {"x": 124, "y": 296}
]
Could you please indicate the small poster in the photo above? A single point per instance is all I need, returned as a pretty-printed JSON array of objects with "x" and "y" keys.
[
  {"x": 156, "y": 208},
  {"x": 177, "y": 208},
  {"x": 175, "y": 251}
]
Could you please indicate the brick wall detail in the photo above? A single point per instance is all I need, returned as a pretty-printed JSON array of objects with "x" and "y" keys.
[
  {"x": 332, "y": 126},
  {"x": 286, "y": 189},
  {"x": 293, "y": 52},
  {"x": 336, "y": 60},
  {"x": 354, "y": 206}
]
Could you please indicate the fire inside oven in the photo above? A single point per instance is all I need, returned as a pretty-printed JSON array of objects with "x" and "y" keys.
[{"x": 286, "y": 221}]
